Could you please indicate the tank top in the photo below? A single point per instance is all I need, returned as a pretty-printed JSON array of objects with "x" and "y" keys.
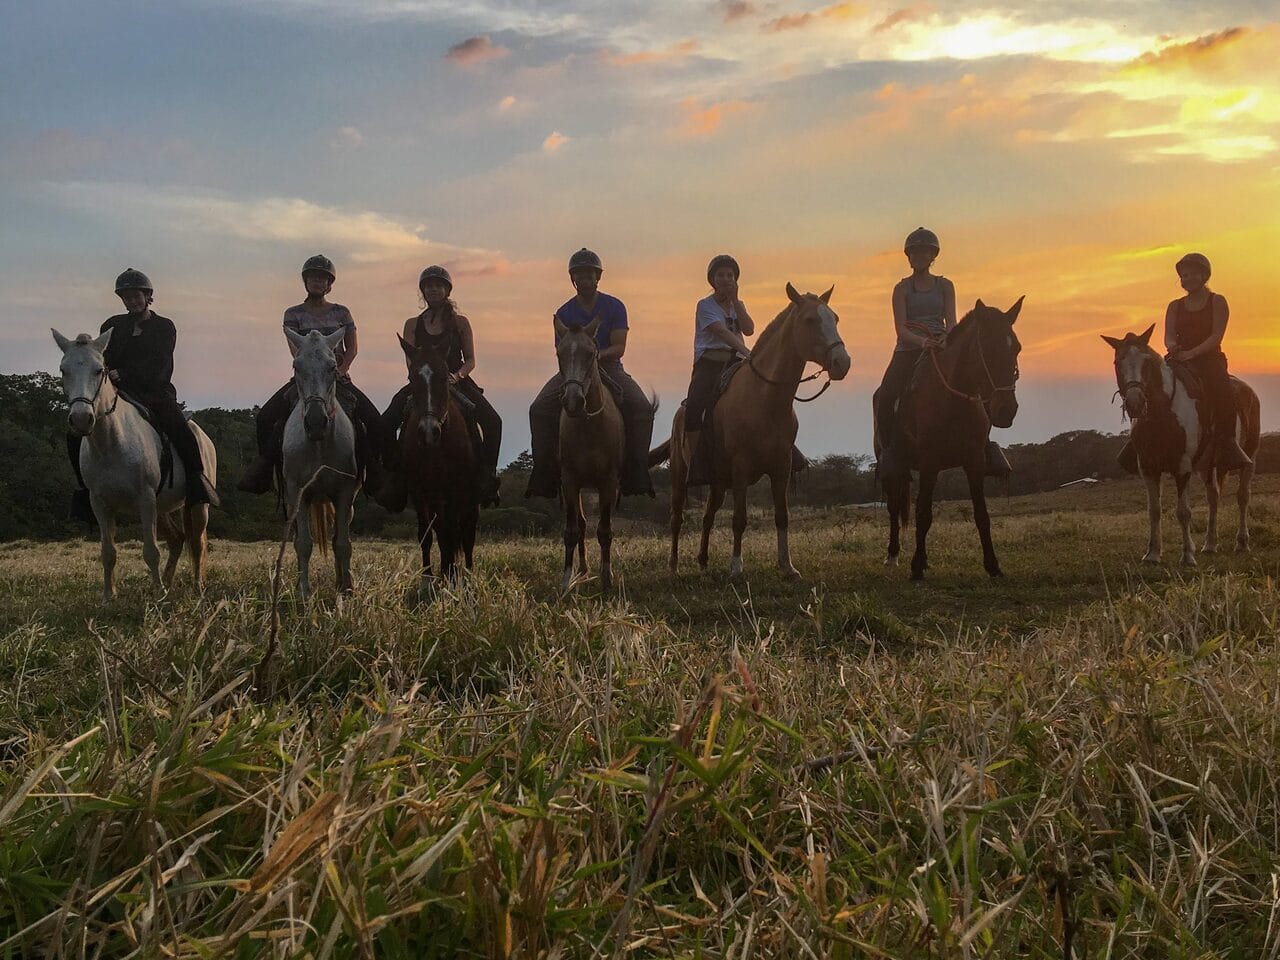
[
  {"x": 1193, "y": 327},
  {"x": 925, "y": 313},
  {"x": 448, "y": 342}
]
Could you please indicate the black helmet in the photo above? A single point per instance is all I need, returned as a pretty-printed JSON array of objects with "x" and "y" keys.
[
  {"x": 723, "y": 260},
  {"x": 921, "y": 237},
  {"x": 320, "y": 264},
  {"x": 585, "y": 258},
  {"x": 1197, "y": 260},
  {"x": 133, "y": 279},
  {"x": 435, "y": 272}
]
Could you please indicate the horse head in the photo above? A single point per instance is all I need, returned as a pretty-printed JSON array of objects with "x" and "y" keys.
[
  {"x": 315, "y": 371},
  {"x": 84, "y": 375},
  {"x": 578, "y": 355},
  {"x": 815, "y": 335},
  {"x": 1137, "y": 370},
  {"x": 429, "y": 384},
  {"x": 997, "y": 348}
]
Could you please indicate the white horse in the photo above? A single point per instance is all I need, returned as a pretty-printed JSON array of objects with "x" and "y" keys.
[
  {"x": 120, "y": 463},
  {"x": 1167, "y": 436},
  {"x": 319, "y": 458}
]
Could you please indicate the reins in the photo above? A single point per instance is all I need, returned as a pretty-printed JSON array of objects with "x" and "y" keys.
[
  {"x": 93, "y": 401},
  {"x": 991, "y": 381}
]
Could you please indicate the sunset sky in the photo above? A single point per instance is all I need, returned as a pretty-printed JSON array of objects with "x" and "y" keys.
[{"x": 1067, "y": 151}]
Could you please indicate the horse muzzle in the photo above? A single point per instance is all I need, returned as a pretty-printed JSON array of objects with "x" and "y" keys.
[
  {"x": 430, "y": 430},
  {"x": 839, "y": 362},
  {"x": 1003, "y": 409},
  {"x": 80, "y": 419},
  {"x": 1135, "y": 403},
  {"x": 315, "y": 422},
  {"x": 574, "y": 402}
]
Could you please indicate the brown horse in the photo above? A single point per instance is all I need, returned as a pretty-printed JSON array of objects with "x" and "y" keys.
[
  {"x": 960, "y": 391},
  {"x": 754, "y": 424},
  {"x": 1167, "y": 438},
  {"x": 591, "y": 445},
  {"x": 440, "y": 464}
]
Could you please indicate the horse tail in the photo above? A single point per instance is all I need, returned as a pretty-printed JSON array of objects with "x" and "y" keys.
[
  {"x": 322, "y": 517},
  {"x": 661, "y": 453},
  {"x": 1249, "y": 412}
]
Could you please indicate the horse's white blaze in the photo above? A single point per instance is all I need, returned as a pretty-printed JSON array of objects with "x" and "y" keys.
[{"x": 827, "y": 321}]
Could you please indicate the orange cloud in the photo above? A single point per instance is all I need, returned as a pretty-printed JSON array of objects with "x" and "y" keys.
[
  {"x": 905, "y": 15},
  {"x": 793, "y": 21},
  {"x": 700, "y": 121},
  {"x": 736, "y": 9},
  {"x": 1195, "y": 51},
  {"x": 474, "y": 51},
  {"x": 555, "y": 140},
  {"x": 677, "y": 51}
]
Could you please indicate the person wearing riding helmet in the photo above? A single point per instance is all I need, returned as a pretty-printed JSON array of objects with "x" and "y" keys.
[
  {"x": 1194, "y": 326},
  {"x": 139, "y": 361},
  {"x": 720, "y": 323},
  {"x": 441, "y": 326},
  {"x": 589, "y": 304},
  {"x": 317, "y": 313}
]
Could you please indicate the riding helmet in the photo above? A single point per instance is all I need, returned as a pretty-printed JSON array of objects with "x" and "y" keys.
[
  {"x": 723, "y": 260},
  {"x": 436, "y": 272},
  {"x": 585, "y": 258},
  {"x": 133, "y": 279},
  {"x": 921, "y": 237},
  {"x": 1198, "y": 260},
  {"x": 320, "y": 264}
]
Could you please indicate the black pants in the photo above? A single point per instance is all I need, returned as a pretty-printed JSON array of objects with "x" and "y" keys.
[
  {"x": 480, "y": 413},
  {"x": 702, "y": 390},
  {"x": 1216, "y": 381},
  {"x": 170, "y": 419},
  {"x": 273, "y": 414},
  {"x": 544, "y": 428},
  {"x": 895, "y": 383}
]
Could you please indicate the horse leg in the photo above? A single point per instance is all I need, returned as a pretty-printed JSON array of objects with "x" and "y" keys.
[
  {"x": 196, "y": 533},
  {"x": 572, "y": 532},
  {"x": 679, "y": 492},
  {"x": 981, "y": 519},
  {"x": 469, "y": 534},
  {"x": 893, "y": 495},
  {"x": 604, "y": 531},
  {"x": 302, "y": 547},
  {"x": 1212, "y": 490},
  {"x": 150, "y": 550},
  {"x": 924, "y": 520},
  {"x": 714, "y": 499},
  {"x": 781, "y": 519},
  {"x": 1242, "y": 499},
  {"x": 739, "y": 524},
  {"x": 174, "y": 540},
  {"x": 342, "y": 539},
  {"x": 1153, "y": 518},
  {"x": 424, "y": 543},
  {"x": 1184, "y": 519},
  {"x": 583, "y": 569},
  {"x": 107, "y": 532}
]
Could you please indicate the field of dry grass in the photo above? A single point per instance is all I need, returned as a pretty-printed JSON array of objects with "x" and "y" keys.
[{"x": 1079, "y": 759}]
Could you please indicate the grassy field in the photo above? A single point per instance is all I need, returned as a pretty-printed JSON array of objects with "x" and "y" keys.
[{"x": 1077, "y": 759}]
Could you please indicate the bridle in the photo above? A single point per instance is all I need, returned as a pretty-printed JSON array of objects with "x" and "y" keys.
[
  {"x": 838, "y": 342},
  {"x": 93, "y": 401},
  {"x": 582, "y": 384},
  {"x": 1143, "y": 385},
  {"x": 986, "y": 369}
]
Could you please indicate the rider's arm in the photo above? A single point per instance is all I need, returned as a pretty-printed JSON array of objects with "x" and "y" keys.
[
  {"x": 350, "y": 347},
  {"x": 1214, "y": 340},
  {"x": 720, "y": 330},
  {"x": 617, "y": 345},
  {"x": 410, "y": 331},
  {"x": 948, "y": 303},
  {"x": 1171, "y": 329},
  {"x": 468, "y": 348},
  {"x": 286, "y": 325},
  {"x": 161, "y": 373},
  {"x": 746, "y": 326}
]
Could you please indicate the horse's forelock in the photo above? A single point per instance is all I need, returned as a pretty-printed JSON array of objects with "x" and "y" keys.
[{"x": 83, "y": 338}]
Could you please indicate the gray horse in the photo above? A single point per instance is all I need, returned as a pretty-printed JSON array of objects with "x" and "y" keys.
[
  {"x": 120, "y": 463},
  {"x": 319, "y": 458}
]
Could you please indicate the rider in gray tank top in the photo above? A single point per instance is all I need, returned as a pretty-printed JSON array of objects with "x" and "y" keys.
[{"x": 926, "y": 314}]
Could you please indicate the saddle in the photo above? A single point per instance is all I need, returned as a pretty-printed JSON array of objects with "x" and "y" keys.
[
  {"x": 166, "y": 445},
  {"x": 1186, "y": 375},
  {"x": 614, "y": 389}
]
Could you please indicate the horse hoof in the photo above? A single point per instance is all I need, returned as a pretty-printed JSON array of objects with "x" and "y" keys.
[
  {"x": 735, "y": 567},
  {"x": 1188, "y": 559},
  {"x": 791, "y": 573},
  {"x": 1208, "y": 549},
  {"x": 566, "y": 582},
  {"x": 917, "y": 574},
  {"x": 703, "y": 561},
  {"x": 1151, "y": 558},
  {"x": 891, "y": 561},
  {"x": 1242, "y": 548},
  {"x": 995, "y": 571}
]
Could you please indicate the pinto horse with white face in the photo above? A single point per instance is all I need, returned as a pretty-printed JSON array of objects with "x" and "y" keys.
[
  {"x": 120, "y": 460},
  {"x": 320, "y": 475},
  {"x": 1168, "y": 438},
  {"x": 754, "y": 424}
]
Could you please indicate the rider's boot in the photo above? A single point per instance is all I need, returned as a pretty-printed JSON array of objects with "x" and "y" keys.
[
  {"x": 200, "y": 489},
  {"x": 997, "y": 462},
  {"x": 1128, "y": 457},
  {"x": 258, "y": 475},
  {"x": 544, "y": 480},
  {"x": 699, "y": 472}
]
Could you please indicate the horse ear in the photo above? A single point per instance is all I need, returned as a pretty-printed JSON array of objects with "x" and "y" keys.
[
  {"x": 334, "y": 340},
  {"x": 1015, "y": 310},
  {"x": 561, "y": 329},
  {"x": 979, "y": 305},
  {"x": 62, "y": 342},
  {"x": 791, "y": 293},
  {"x": 826, "y": 297},
  {"x": 591, "y": 328},
  {"x": 101, "y": 343},
  {"x": 295, "y": 338},
  {"x": 404, "y": 345},
  {"x": 1114, "y": 342},
  {"x": 1145, "y": 337}
]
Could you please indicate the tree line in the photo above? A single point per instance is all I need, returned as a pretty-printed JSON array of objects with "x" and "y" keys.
[{"x": 36, "y": 479}]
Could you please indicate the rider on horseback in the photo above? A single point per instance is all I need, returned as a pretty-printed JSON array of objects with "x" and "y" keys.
[
  {"x": 441, "y": 326},
  {"x": 317, "y": 313},
  {"x": 1194, "y": 326},
  {"x": 139, "y": 361},
  {"x": 585, "y": 269},
  {"x": 924, "y": 312}
]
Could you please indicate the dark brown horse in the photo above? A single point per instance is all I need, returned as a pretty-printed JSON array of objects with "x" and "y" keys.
[
  {"x": 755, "y": 424},
  {"x": 1168, "y": 438},
  {"x": 960, "y": 391},
  {"x": 440, "y": 464}
]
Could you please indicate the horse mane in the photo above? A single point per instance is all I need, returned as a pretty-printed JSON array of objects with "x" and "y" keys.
[{"x": 774, "y": 328}]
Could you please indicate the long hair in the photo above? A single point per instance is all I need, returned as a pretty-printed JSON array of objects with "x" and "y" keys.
[{"x": 449, "y": 311}]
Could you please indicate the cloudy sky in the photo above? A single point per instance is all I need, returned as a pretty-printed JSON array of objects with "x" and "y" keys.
[{"x": 1067, "y": 151}]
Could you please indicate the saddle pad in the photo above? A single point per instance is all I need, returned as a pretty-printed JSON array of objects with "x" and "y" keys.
[
  {"x": 1186, "y": 375},
  {"x": 166, "y": 445}
]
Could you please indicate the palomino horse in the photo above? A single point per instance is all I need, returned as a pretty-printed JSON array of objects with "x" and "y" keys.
[
  {"x": 591, "y": 439},
  {"x": 754, "y": 424},
  {"x": 120, "y": 463},
  {"x": 1166, "y": 435},
  {"x": 320, "y": 474},
  {"x": 440, "y": 463},
  {"x": 960, "y": 391}
]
